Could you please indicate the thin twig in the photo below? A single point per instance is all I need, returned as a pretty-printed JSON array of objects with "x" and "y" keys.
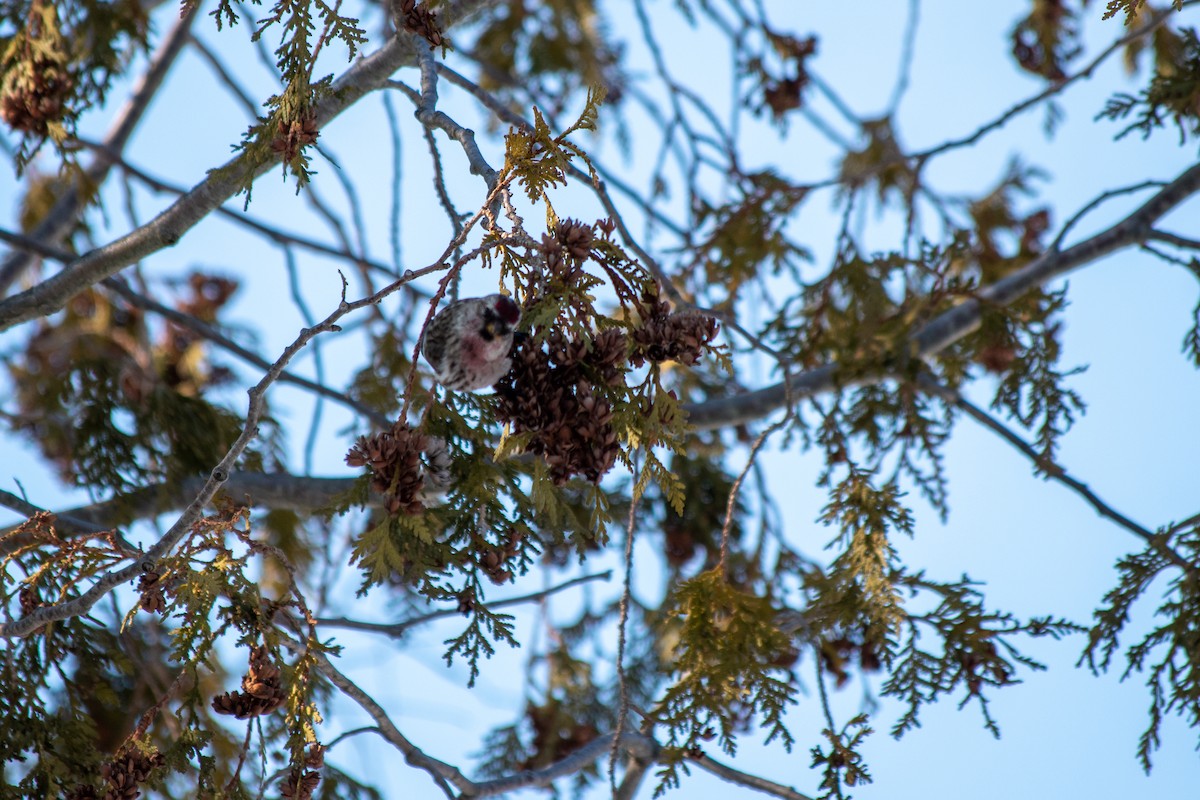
[
  {"x": 58, "y": 220},
  {"x": 636, "y": 744},
  {"x": 622, "y": 636},
  {"x": 904, "y": 71},
  {"x": 1055, "y": 472},
  {"x": 397, "y": 629},
  {"x": 1174, "y": 239},
  {"x": 740, "y": 778},
  {"x": 341, "y": 737},
  {"x": 443, "y": 774}
]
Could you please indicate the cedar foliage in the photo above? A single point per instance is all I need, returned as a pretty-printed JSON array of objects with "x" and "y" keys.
[{"x": 213, "y": 673}]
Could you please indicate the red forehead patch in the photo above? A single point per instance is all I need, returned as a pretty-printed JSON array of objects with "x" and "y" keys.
[{"x": 508, "y": 310}]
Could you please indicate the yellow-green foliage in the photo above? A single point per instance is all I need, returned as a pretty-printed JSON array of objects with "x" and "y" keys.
[
  {"x": 72, "y": 49},
  {"x": 724, "y": 670},
  {"x": 1173, "y": 94}
]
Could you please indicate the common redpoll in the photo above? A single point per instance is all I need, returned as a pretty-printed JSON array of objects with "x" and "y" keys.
[{"x": 469, "y": 342}]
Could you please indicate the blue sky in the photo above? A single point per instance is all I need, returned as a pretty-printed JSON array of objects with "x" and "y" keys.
[{"x": 1038, "y": 548}]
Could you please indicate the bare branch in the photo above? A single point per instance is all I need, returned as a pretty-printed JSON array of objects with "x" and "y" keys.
[
  {"x": 1175, "y": 239},
  {"x": 745, "y": 779},
  {"x": 442, "y": 773},
  {"x": 446, "y": 775},
  {"x": 279, "y": 490},
  {"x": 1053, "y": 471},
  {"x": 904, "y": 71},
  {"x": 61, "y": 217},
  {"x": 367, "y": 74},
  {"x": 397, "y": 629},
  {"x": 637, "y": 745},
  {"x": 430, "y": 117}
]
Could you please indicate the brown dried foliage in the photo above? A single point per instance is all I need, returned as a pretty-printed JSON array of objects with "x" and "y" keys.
[
  {"x": 664, "y": 336},
  {"x": 123, "y": 776},
  {"x": 394, "y": 458},
  {"x": 551, "y": 394},
  {"x": 416, "y": 18},
  {"x": 262, "y": 690}
]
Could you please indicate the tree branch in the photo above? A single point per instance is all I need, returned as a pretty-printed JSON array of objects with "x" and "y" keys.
[
  {"x": 168, "y": 227},
  {"x": 279, "y": 490},
  {"x": 637, "y": 745},
  {"x": 1055, "y": 472},
  {"x": 429, "y": 116},
  {"x": 61, "y": 217},
  {"x": 952, "y": 325},
  {"x": 442, "y": 773},
  {"x": 397, "y": 629},
  {"x": 745, "y": 779},
  {"x": 1181, "y": 242}
]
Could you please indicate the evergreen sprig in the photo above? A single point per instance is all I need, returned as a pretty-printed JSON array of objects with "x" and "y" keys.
[
  {"x": 1171, "y": 96},
  {"x": 59, "y": 61},
  {"x": 973, "y": 648},
  {"x": 725, "y": 672},
  {"x": 842, "y": 763},
  {"x": 1167, "y": 653}
]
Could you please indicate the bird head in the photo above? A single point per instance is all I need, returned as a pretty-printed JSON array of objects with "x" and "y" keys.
[{"x": 500, "y": 316}]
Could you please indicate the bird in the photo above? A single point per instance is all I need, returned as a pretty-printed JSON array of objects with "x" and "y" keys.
[{"x": 469, "y": 342}]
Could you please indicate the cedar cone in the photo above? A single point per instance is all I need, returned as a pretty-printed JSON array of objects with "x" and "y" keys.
[
  {"x": 418, "y": 19},
  {"x": 263, "y": 691},
  {"x": 575, "y": 237},
  {"x": 293, "y": 135},
  {"x": 547, "y": 394},
  {"x": 299, "y": 785},
  {"x": 394, "y": 458},
  {"x": 663, "y": 336},
  {"x": 122, "y": 776},
  {"x": 31, "y": 102},
  {"x": 151, "y": 590}
]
